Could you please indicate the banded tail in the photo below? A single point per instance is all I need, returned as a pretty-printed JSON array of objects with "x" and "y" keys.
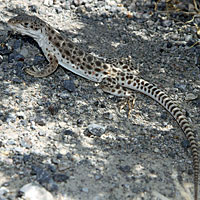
[{"x": 127, "y": 80}]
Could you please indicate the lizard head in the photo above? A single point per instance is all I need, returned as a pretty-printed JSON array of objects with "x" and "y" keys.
[{"x": 27, "y": 25}]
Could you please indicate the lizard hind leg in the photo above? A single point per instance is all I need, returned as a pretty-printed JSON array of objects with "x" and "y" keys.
[
  {"x": 130, "y": 101},
  {"x": 51, "y": 67},
  {"x": 111, "y": 86}
]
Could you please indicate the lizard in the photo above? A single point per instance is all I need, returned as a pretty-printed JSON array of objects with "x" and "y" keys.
[{"x": 118, "y": 81}]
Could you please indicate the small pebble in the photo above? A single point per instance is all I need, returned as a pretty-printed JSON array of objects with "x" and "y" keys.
[
  {"x": 33, "y": 191},
  {"x": 69, "y": 85},
  {"x": 96, "y": 129},
  {"x": 190, "y": 97},
  {"x": 40, "y": 121},
  {"x": 3, "y": 191},
  {"x": 125, "y": 168},
  {"x": 86, "y": 190},
  {"x": 60, "y": 177}
]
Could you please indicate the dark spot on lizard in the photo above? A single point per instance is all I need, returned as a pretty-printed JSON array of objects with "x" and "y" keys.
[
  {"x": 64, "y": 44},
  {"x": 70, "y": 45},
  {"x": 97, "y": 69},
  {"x": 80, "y": 53},
  {"x": 89, "y": 58},
  {"x": 57, "y": 44},
  {"x": 89, "y": 67},
  {"x": 59, "y": 37},
  {"x": 98, "y": 63},
  {"x": 67, "y": 52}
]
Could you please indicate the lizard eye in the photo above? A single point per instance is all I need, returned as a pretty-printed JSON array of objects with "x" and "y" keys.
[{"x": 26, "y": 24}]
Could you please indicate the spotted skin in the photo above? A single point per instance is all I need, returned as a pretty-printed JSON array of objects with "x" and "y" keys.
[{"x": 115, "y": 77}]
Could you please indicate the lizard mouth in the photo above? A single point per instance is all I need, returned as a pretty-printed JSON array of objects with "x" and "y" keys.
[{"x": 18, "y": 28}]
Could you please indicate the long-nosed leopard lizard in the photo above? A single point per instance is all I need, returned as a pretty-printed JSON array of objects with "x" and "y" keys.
[{"x": 118, "y": 81}]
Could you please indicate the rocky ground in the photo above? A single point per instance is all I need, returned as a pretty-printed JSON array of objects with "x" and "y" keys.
[{"x": 62, "y": 138}]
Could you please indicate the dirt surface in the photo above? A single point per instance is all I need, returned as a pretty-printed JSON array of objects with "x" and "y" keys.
[{"x": 45, "y": 123}]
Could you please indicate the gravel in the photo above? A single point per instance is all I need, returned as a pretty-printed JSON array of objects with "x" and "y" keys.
[{"x": 62, "y": 136}]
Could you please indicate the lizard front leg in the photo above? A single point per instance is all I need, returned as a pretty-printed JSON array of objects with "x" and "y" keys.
[{"x": 51, "y": 67}]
